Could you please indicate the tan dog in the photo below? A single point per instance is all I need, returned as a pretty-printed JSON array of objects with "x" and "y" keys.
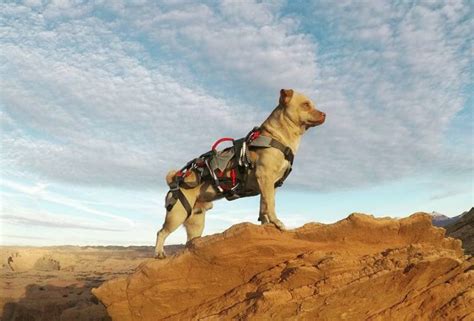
[{"x": 287, "y": 123}]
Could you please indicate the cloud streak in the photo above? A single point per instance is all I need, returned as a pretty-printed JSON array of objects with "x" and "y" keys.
[
  {"x": 29, "y": 221},
  {"x": 18, "y": 215},
  {"x": 40, "y": 193}
]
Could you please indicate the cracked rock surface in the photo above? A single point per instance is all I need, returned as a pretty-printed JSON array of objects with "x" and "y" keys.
[{"x": 360, "y": 268}]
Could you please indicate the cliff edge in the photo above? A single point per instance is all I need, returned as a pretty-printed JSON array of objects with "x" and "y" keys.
[{"x": 360, "y": 268}]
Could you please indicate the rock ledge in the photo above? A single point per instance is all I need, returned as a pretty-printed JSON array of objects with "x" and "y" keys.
[{"x": 360, "y": 268}]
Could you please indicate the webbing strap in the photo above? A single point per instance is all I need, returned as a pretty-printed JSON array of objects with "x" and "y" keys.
[
  {"x": 265, "y": 141},
  {"x": 178, "y": 195},
  {"x": 284, "y": 149},
  {"x": 184, "y": 202}
]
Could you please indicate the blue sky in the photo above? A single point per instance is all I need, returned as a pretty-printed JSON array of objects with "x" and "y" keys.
[{"x": 99, "y": 99}]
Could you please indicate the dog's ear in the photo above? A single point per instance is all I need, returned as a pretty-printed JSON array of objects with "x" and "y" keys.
[{"x": 285, "y": 96}]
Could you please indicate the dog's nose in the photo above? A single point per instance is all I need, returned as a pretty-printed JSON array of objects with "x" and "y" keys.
[{"x": 323, "y": 114}]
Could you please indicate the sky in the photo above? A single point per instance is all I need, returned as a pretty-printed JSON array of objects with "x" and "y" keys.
[{"x": 100, "y": 99}]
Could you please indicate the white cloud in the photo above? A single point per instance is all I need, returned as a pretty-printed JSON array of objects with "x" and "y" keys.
[
  {"x": 390, "y": 93},
  {"x": 98, "y": 111},
  {"x": 118, "y": 93},
  {"x": 246, "y": 44}
]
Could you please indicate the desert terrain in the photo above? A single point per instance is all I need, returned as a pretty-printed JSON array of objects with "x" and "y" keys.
[
  {"x": 360, "y": 268},
  {"x": 54, "y": 283}
]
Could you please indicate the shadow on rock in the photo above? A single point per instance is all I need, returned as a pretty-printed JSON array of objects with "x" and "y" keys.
[{"x": 53, "y": 303}]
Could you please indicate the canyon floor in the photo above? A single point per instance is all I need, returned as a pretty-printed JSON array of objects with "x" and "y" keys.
[
  {"x": 54, "y": 283},
  {"x": 360, "y": 268}
]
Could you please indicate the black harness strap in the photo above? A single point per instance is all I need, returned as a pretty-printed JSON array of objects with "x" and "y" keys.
[
  {"x": 287, "y": 152},
  {"x": 284, "y": 149},
  {"x": 177, "y": 195},
  {"x": 184, "y": 202},
  {"x": 289, "y": 156}
]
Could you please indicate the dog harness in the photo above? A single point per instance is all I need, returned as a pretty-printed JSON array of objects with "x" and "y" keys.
[{"x": 211, "y": 166}]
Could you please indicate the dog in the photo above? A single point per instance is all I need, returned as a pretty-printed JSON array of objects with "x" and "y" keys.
[{"x": 293, "y": 116}]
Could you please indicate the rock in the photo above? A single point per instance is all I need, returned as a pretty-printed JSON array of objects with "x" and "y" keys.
[
  {"x": 47, "y": 263},
  {"x": 463, "y": 229},
  {"x": 360, "y": 268}
]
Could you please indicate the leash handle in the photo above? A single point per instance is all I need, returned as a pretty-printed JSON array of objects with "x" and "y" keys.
[{"x": 214, "y": 146}]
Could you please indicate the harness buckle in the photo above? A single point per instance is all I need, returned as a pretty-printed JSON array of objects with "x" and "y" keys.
[{"x": 174, "y": 186}]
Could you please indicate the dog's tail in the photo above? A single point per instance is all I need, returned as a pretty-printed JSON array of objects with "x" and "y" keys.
[{"x": 169, "y": 177}]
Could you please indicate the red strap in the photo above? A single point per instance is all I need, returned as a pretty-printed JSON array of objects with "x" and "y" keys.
[
  {"x": 255, "y": 135},
  {"x": 233, "y": 176},
  {"x": 180, "y": 173},
  {"x": 220, "y": 141}
]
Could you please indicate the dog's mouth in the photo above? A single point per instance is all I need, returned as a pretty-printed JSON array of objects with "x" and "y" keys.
[{"x": 316, "y": 123}]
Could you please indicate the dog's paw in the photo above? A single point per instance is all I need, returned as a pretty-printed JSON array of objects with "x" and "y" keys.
[
  {"x": 265, "y": 219},
  {"x": 160, "y": 255},
  {"x": 279, "y": 224}
]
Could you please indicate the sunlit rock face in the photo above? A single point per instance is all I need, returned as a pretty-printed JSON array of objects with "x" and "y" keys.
[{"x": 360, "y": 268}]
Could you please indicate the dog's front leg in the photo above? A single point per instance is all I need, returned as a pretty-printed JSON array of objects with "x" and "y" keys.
[{"x": 267, "y": 201}]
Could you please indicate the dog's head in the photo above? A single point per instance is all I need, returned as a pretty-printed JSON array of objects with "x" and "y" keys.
[{"x": 300, "y": 109}]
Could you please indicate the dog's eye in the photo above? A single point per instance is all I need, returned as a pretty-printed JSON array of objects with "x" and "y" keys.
[{"x": 306, "y": 105}]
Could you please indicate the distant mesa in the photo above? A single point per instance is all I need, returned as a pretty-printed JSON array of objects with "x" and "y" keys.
[
  {"x": 463, "y": 229},
  {"x": 460, "y": 227},
  {"x": 360, "y": 268},
  {"x": 442, "y": 220}
]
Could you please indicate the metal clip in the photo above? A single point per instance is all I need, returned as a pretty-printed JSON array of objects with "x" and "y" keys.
[
  {"x": 235, "y": 187},
  {"x": 213, "y": 174},
  {"x": 243, "y": 154}
]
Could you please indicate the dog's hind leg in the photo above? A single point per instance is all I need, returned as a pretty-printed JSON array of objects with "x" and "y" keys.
[
  {"x": 174, "y": 218},
  {"x": 195, "y": 223}
]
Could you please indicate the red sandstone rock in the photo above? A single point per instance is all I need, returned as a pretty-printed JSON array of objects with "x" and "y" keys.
[{"x": 360, "y": 268}]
